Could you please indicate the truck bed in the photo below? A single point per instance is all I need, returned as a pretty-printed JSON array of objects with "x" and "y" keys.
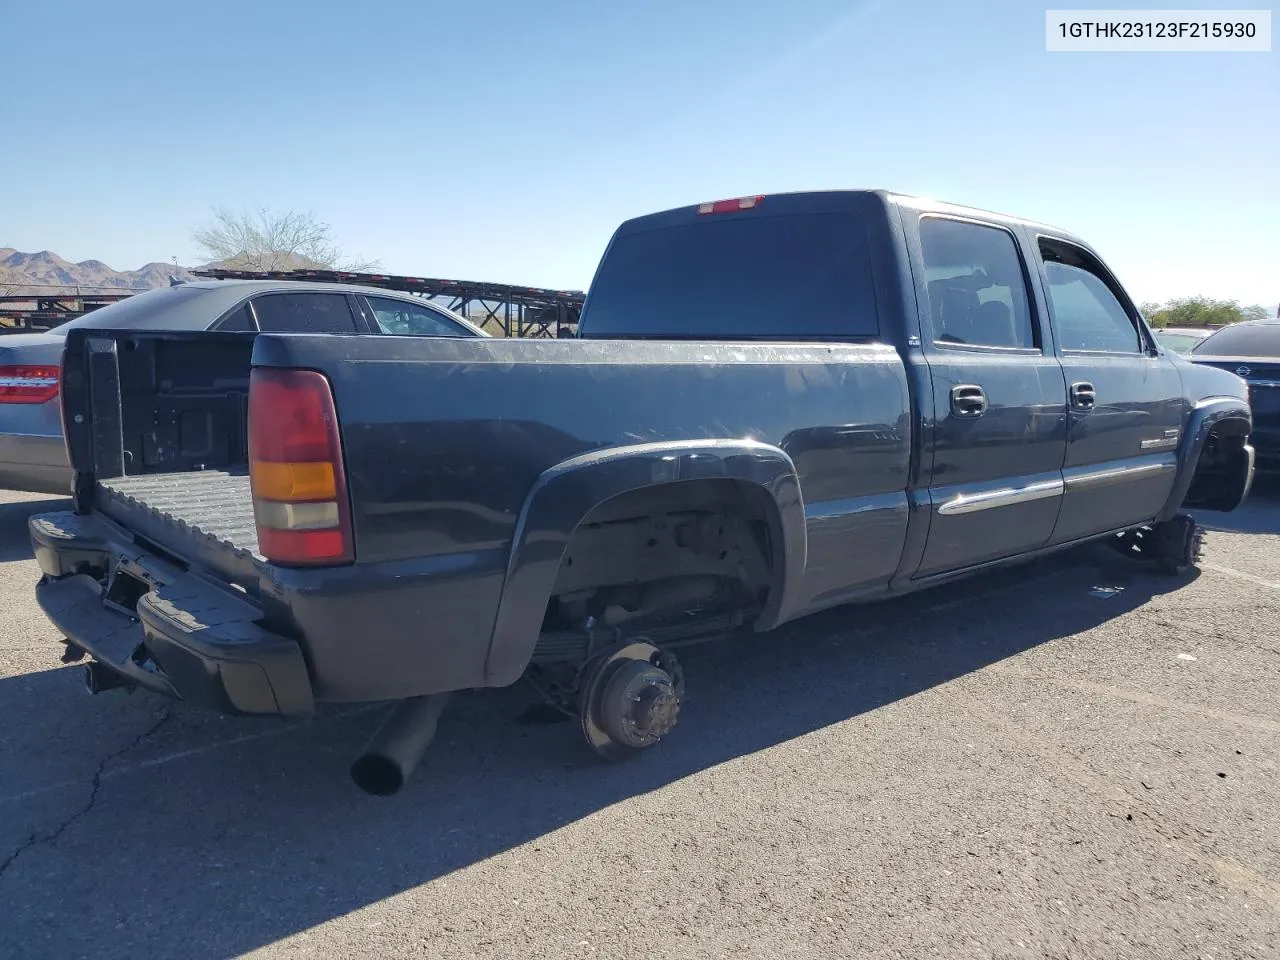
[{"x": 202, "y": 512}]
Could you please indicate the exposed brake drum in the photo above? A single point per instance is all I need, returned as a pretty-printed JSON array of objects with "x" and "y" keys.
[{"x": 630, "y": 699}]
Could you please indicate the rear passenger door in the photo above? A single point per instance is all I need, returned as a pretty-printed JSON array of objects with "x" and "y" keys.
[
  {"x": 1125, "y": 400},
  {"x": 305, "y": 312},
  {"x": 996, "y": 433}
]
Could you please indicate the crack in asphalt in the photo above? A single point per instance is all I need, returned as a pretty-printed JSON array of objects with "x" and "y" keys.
[{"x": 36, "y": 839}]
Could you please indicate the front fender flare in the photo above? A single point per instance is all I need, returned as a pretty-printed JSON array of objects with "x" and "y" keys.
[
  {"x": 1205, "y": 415},
  {"x": 564, "y": 494}
]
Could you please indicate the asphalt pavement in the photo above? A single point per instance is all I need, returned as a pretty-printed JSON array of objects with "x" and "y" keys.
[{"x": 1073, "y": 759}]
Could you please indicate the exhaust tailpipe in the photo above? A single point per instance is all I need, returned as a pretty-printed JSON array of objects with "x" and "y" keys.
[
  {"x": 396, "y": 748},
  {"x": 99, "y": 678}
]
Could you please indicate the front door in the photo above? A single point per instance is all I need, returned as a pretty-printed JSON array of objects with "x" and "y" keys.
[
  {"x": 1125, "y": 401},
  {"x": 997, "y": 429}
]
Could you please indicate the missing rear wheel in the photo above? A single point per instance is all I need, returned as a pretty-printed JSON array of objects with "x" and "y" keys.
[{"x": 630, "y": 699}]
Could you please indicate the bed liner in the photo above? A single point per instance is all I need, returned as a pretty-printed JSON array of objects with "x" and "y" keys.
[{"x": 202, "y": 513}]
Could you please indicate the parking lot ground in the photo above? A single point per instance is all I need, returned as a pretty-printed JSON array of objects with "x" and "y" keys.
[{"x": 1073, "y": 759}]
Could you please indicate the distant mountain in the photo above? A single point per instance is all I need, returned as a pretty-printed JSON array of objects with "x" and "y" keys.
[
  {"x": 47, "y": 273},
  {"x": 33, "y": 274}
]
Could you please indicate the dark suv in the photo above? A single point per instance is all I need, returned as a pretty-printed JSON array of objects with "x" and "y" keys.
[{"x": 1251, "y": 350}]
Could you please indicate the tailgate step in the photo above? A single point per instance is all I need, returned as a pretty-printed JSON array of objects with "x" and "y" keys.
[{"x": 74, "y": 605}]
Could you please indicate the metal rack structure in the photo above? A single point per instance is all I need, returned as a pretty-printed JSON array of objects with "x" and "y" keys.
[
  {"x": 33, "y": 313},
  {"x": 498, "y": 308}
]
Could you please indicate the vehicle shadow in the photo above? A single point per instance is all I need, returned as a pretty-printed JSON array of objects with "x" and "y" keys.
[
  {"x": 15, "y": 544},
  {"x": 228, "y": 835}
]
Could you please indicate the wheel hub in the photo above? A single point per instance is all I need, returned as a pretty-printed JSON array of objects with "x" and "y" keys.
[
  {"x": 658, "y": 709},
  {"x": 639, "y": 704},
  {"x": 630, "y": 700}
]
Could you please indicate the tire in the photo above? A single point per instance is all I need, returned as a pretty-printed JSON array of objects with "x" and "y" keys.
[{"x": 1179, "y": 543}]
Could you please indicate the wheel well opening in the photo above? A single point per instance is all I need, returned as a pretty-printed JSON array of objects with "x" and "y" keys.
[
  {"x": 666, "y": 552},
  {"x": 1220, "y": 480}
]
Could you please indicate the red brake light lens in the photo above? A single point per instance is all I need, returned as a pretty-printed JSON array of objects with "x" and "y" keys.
[
  {"x": 302, "y": 548},
  {"x": 291, "y": 417},
  {"x": 29, "y": 383},
  {"x": 296, "y": 471}
]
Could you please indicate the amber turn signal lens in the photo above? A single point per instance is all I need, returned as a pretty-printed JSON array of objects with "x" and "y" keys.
[{"x": 292, "y": 481}]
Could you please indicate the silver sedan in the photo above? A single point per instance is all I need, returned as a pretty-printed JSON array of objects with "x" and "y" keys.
[{"x": 33, "y": 456}]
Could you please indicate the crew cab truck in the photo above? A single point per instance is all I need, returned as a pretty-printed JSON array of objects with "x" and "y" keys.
[{"x": 774, "y": 405}]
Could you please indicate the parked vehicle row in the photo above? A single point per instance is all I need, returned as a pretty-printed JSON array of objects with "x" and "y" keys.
[
  {"x": 1251, "y": 350},
  {"x": 32, "y": 452},
  {"x": 774, "y": 405}
]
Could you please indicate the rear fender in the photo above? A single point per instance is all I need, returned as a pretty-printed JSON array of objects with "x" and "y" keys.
[
  {"x": 567, "y": 492},
  {"x": 1205, "y": 416}
]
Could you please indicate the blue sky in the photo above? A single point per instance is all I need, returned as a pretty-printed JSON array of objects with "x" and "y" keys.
[{"x": 504, "y": 141}]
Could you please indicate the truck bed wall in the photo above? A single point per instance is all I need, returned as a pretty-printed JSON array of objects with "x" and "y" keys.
[{"x": 445, "y": 439}]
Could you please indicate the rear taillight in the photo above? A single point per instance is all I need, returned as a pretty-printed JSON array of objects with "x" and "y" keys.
[
  {"x": 29, "y": 383},
  {"x": 62, "y": 409},
  {"x": 295, "y": 469}
]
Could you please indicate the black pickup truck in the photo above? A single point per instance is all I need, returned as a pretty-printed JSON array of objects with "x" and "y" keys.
[{"x": 773, "y": 405}]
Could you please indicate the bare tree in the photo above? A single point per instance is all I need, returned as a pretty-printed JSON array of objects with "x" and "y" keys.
[{"x": 267, "y": 240}]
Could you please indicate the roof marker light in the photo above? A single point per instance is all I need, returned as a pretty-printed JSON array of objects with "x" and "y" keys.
[{"x": 730, "y": 206}]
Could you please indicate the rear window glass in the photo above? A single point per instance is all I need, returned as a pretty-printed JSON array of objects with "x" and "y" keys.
[
  {"x": 168, "y": 308},
  {"x": 789, "y": 277},
  {"x": 1260, "y": 340}
]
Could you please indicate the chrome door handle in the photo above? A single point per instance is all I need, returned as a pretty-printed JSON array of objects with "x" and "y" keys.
[
  {"x": 1083, "y": 396},
  {"x": 968, "y": 400}
]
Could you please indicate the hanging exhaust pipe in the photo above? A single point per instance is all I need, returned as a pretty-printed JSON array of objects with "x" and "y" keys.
[{"x": 397, "y": 746}]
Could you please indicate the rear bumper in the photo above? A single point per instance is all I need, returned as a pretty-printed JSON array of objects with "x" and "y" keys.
[
  {"x": 184, "y": 637},
  {"x": 34, "y": 463}
]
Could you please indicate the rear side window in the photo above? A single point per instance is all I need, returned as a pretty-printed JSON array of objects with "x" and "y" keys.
[
  {"x": 1245, "y": 340},
  {"x": 237, "y": 321},
  {"x": 411, "y": 319},
  {"x": 304, "y": 313},
  {"x": 977, "y": 287},
  {"x": 785, "y": 277}
]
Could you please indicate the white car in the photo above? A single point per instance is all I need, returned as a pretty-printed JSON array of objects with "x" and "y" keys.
[{"x": 1181, "y": 339}]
